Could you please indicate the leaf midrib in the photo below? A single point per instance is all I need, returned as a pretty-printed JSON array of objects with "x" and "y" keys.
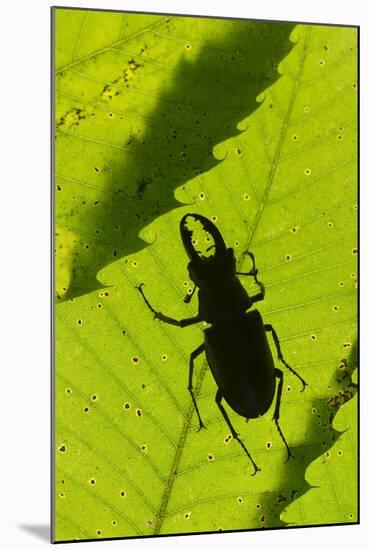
[{"x": 173, "y": 473}]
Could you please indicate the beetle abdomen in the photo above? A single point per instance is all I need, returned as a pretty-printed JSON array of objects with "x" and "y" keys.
[{"x": 240, "y": 359}]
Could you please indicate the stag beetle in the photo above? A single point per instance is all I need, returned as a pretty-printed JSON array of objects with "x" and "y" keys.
[{"x": 236, "y": 344}]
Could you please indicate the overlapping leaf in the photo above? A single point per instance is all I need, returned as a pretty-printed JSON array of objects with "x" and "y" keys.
[{"x": 155, "y": 117}]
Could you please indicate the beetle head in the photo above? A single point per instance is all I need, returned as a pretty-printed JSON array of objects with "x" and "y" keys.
[{"x": 205, "y": 268}]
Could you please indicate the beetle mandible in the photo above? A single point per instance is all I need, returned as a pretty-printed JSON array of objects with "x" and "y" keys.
[{"x": 236, "y": 344}]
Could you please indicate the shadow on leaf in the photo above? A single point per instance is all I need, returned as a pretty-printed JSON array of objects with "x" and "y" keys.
[
  {"x": 199, "y": 107},
  {"x": 321, "y": 429}
]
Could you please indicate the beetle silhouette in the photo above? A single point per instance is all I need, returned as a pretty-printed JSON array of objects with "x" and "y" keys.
[{"x": 236, "y": 344}]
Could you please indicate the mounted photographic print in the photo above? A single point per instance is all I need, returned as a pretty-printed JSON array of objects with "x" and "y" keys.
[{"x": 205, "y": 201}]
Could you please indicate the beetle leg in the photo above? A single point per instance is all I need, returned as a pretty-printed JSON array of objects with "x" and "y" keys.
[
  {"x": 279, "y": 374},
  {"x": 158, "y": 315},
  {"x": 269, "y": 328},
  {"x": 235, "y": 435},
  {"x": 261, "y": 294},
  {"x": 193, "y": 356},
  {"x": 253, "y": 272}
]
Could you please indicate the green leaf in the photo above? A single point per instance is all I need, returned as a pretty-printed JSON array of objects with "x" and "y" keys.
[{"x": 254, "y": 126}]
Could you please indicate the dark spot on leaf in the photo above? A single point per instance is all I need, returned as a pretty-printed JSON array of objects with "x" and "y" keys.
[{"x": 142, "y": 185}]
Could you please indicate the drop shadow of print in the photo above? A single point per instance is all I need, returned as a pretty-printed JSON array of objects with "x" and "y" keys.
[{"x": 41, "y": 531}]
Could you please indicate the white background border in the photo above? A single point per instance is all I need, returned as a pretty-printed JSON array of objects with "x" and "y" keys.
[{"x": 25, "y": 268}]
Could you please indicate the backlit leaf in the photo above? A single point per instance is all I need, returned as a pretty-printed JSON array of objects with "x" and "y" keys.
[{"x": 254, "y": 126}]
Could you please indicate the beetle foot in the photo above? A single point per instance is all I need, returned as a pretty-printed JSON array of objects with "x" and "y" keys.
[
  {"x": 256, "y": 469},
  {"x": 202, "y": 426},
  {"x": 289, "y": 455}
]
